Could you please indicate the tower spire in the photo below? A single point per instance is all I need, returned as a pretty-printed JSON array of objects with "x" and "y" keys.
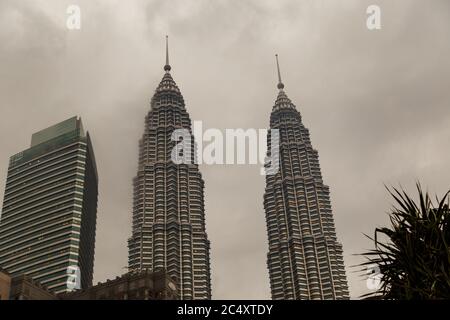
[
  {"x": 280, "y": 83},
  {"x": 167, "y": 66}
]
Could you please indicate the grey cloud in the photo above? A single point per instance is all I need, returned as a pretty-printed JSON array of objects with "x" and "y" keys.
[{"x": 377, "y": 105}]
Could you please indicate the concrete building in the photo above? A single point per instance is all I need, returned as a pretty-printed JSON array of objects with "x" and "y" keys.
[
  {"x": 305, "y": 260},
  {"x": 168, "y": 227},
  {"x": 5, "y": 284},
  {"x": 143, "y": 285},
  {"x": 24, "y": 287},
  {"x": 48, "y": 221}
]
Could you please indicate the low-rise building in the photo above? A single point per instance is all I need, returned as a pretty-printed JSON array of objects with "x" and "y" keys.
[
  {"x": 144, "y": 285},
  {"x": 5, "y": 284},
  {"x": 25, "y": 288}
]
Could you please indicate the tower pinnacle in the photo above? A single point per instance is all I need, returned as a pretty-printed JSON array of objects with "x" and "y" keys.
[
  {"x": 280, "y": 83},
  {"x": 167, "y": 67}
]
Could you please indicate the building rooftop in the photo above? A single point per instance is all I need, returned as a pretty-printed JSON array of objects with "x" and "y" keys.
[
  {"x": 57, "y": 130},
  {"x": 49, "y": 139}
]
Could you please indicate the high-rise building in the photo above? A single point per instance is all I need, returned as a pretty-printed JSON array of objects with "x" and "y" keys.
[
  {"x": 168, "y": 227},
  {"x": 305, "y": 260},
  {"x": 48, "y": 222}
]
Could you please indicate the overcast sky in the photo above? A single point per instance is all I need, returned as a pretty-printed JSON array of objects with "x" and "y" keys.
[{"x": 376, "y": 103}]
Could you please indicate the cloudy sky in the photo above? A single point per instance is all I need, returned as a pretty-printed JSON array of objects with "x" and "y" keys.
[{"x": 376, "y": 103}]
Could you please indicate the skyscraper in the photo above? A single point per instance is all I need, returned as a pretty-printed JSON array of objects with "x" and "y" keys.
[
  {"x": 168, "y": 227},
  {"x": 48, "y": 222},
  {"x": 305, "y": 259}
]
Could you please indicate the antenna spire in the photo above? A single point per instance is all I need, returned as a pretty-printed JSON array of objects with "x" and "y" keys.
[
  {"x": 167, "y": 67},
  {"x": 280, "y": 83}
]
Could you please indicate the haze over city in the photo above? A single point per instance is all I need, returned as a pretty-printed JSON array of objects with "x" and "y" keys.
[{"x": 375, "y": 102}]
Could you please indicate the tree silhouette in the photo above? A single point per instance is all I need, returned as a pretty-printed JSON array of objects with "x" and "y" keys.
[{"x": 413, "y": 255}]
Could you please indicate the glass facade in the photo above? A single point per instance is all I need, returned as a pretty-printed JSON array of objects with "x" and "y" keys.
[{"x": 48, "y": 221}]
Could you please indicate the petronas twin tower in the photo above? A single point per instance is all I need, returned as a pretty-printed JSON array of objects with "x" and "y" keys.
[
  {"x": 168, "y": 229},
  {"x": 304, "y": 260}
]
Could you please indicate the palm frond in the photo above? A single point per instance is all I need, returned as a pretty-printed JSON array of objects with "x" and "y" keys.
[{"x": 414, "y": 261}]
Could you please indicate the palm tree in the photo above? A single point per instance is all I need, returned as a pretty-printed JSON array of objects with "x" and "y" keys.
[{"x": 414, "y": 258}]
